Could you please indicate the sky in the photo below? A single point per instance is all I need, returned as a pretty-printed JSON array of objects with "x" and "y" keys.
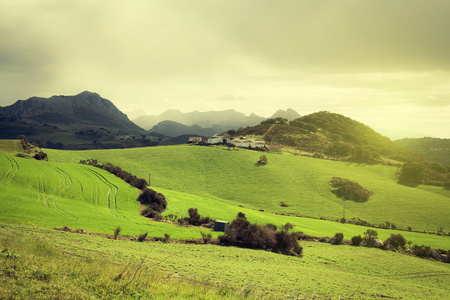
[{"x": 384, "y": 63}]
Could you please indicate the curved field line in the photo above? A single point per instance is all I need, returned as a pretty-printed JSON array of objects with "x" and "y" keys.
[
  {"x": 108, "y": 196},
  {"x": 94, "y": 188},
  {"x": 10, "y": 168},
  {"x": 40, "y": 186},
  {"x": 61, "y": 189},
  {"x": 14, "y": 164}
]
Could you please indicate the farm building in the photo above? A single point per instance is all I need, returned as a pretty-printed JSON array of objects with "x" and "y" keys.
[
  {"x": 218, "y": 139},
  {"x": 221, "y": 225},
  {"x": 195, "y": 139}
]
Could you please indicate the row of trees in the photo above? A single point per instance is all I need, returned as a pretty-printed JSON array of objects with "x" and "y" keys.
[{"x": 116, "y": 170}]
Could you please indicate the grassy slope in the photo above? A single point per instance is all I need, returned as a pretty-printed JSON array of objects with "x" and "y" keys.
[
  {"x": 78, "y": 196},
  {"x": 11, "y": 147},
  {"x": 49, "y": 261},
  {"x": 301, "y": 182}
]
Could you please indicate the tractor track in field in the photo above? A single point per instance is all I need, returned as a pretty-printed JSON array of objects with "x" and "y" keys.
[
  {"x": 95, "y": 200},
  {"x": 109, "y": 196},
  {"x": 62, "y": 189},
  {"x": 14, "y": 168},
  {"x": 40, "y": 186}
]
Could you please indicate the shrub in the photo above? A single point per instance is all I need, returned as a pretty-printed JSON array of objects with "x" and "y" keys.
[
  {"x": 370, "y": 236},
  {"x": 356, "y": 240},
  {"x": 206, "y": 238},
  {"x": 142, "y": 237},
  {"x": 117, "y": 232},
  {"x": 262, "y": 159},
  {"x": 166, "y": 238},
  {"x": 155, "y": 201},
  {"x": 339, "y": 237},
  {"x": 396, "y": 240},
  {"x": 272, "y": 226},
  {"x": 421, "y": 251},
  {"x": 242, "y": 233},
  {"x": 195, "y": 219}
]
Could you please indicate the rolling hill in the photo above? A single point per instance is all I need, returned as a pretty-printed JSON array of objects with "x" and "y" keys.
[
  {"x": 220, "y": 183},
  {"x": 334, "y": 136},
  {"x": 233, "y": 177},
  {"x": 434, "y": 149}
]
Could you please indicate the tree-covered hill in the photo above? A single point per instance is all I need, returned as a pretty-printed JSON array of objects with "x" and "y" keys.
[
  {"x": 434, "y": 149},
  {"x": 334, "y": 136}
]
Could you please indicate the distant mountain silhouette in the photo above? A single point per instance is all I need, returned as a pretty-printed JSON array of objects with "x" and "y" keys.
[
  {"x": 288, "y": 114},
  {"x": 229, "y": 119},
  {"x": 83, "y": 118},
  {"x": 70, "y": 112}
]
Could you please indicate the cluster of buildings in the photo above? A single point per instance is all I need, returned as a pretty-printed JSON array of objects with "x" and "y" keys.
[{"x": 223, "y": 138}]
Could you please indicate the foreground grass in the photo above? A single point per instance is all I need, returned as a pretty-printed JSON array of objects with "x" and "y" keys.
[
  {"x": 43, "y": 263},
  {"x": 300, "y": 182}
]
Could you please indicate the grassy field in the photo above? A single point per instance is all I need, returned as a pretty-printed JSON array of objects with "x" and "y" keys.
[
  {"x": 78, "y": 196},
  {"x": 11, "y": 147},
  {"x": 43, "y": 263},
  {"x": 83, "y": 197},
  {"x": 233, "y": 177}
]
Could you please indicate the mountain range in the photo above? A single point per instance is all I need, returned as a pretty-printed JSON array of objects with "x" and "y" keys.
[{"x": 174, "y": 123}]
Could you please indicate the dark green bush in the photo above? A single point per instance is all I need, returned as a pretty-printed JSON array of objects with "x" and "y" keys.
[
  {"x": 339, "y": 237},
  {"x": 242, "y": 233},
  {"x": 356, "y": 240},
  {"x": 396, "y": 240}
]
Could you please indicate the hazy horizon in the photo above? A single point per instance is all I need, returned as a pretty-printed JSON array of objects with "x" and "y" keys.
[{"x": 382, "y": 63}]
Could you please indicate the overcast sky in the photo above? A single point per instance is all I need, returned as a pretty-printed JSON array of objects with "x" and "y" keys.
[{"x": 385, "y": 63}]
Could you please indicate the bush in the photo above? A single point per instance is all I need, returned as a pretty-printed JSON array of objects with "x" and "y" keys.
[
  {"x": 117, "y": 232},
  {"x": 370, "y": 236},
  {"x": 396, "y": 240},
  {"x": 195, "y": 219},
  {"x": 356, "y": 240},
  {"x": 155, "y": 201},
  {"x": 421, "y": 251},
  {"x": 142, "y": 237},
  {"x": 339, "y": 237},
  {"x": 242, "y": 233},
  {"x": 206, "y": 238},
  {"x": 263, "y": 160}
]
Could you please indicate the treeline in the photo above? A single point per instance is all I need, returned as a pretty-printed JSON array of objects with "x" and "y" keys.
[{"x": 116, "y": 170}]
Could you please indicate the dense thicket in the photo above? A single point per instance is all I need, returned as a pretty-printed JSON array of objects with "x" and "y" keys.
[
  {"x": 349, "y": 190},
  {"x": 242, "y": 233},
  {"x": 153, "y": 200}
]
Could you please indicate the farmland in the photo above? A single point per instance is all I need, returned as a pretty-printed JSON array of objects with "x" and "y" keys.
[
  {"x": 301, "y": 182},
  {"x": 39, "y": 195}
]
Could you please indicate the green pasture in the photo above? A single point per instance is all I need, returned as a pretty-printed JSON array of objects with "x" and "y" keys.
[
  {"x": 84, "y": 197},
  {"x": 49, "y": 260},
  {"x": 234, "y": 178},
  {"x": 79, "y": 196},
  {"x": 11, "y": 147}
]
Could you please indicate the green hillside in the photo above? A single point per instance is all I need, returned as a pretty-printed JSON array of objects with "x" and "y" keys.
[
  {"x": 434, "y": 149},
  {"x": 78, "y": 196},
  {"x": 334, "y": 136},
  {"x": 233, "y": 177},
  {"x": 57, "y": 194}
]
